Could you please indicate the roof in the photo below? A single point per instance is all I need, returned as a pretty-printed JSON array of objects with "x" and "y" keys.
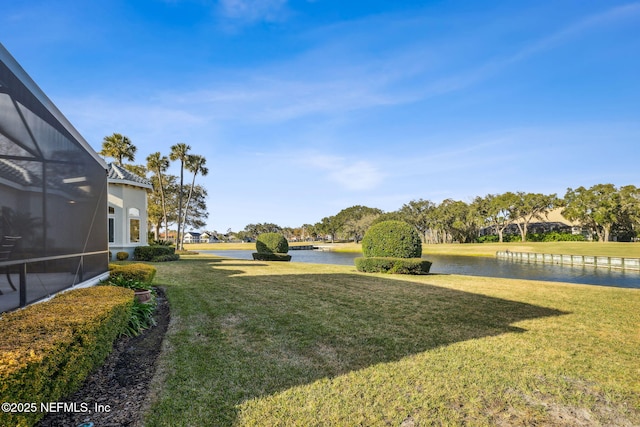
[
  {"x": 16, "y": 69},
  {"x": 116, "y": 174}
]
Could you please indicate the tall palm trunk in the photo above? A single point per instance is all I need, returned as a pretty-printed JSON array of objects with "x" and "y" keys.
[{"x": 179, "y": 243}]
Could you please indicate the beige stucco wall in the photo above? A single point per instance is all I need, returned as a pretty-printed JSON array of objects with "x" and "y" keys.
[{"x": 122, "y": 197}]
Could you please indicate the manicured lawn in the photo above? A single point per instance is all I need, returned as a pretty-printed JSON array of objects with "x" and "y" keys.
[{"x": 257, "y": 343}]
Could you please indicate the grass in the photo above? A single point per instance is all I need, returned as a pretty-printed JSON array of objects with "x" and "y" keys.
[
  {"x": 284, "y": 344},
  {"x": 614, "y": 249}
]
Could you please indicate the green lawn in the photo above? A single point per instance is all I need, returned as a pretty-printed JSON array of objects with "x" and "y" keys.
[{"x": 256, "y": 343}]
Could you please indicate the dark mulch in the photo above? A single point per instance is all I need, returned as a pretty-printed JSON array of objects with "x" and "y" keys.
[{"x": 122, "y": 382}]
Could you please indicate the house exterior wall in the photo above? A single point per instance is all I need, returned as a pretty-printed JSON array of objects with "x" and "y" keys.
[
  {"x": 53, "y": 195},
  {"x": 123, "y": 198}
]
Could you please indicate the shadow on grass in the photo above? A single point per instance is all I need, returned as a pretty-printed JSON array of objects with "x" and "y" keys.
[{"x": 248, "y": 336}]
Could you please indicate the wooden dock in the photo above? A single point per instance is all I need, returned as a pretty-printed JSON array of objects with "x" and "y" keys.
[{"x": 302, "y": 248}]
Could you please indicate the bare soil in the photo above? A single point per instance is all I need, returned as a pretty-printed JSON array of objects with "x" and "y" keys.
[{"x": 119, "y": 389}]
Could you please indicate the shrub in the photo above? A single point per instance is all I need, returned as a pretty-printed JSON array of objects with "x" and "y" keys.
[
  {"x": 272, "y": 243},
  {"x": 392, "y": 239},
  {"x": 271, "y": 257},
  {"x": 554, "y": 236},
  {"x": 48, "y": 349},
  {"x": 123, "y": 281},
  {"x": 134, "y": 272},
  {"x": 165, "y": 258},
  {"x": 148, "y": 253},
  {"x": 392, "y": 265},
  {"x": 122, "y": 256},
  {"x": 141, "y": 317}
]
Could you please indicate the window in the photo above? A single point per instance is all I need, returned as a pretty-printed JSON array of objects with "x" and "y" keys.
[
  {"x": 112, "y": 221},
  {"x": 134, "y": 230},
  {"x": 134, "y": 225},
  {"x": 111, "y": 231}
]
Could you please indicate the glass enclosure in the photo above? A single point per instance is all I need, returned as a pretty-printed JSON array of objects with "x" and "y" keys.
[{"x": 53, "y": 196}]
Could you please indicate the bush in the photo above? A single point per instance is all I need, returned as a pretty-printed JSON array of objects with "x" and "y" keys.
[
  {"x": 122, "y": 256},
  {"x": 123, "y": 281},
  {"x": 272, "y": 243},
  {"x": 48, "y": 349},
  {"x": 271, "y": 257},
  {"x": 395, "y": 239},
  {"x": 134, "y": 272},
  {"x": 148, "y": 253},
  {"x": 141, "y": 317},
  {"x": 564, "y": 237},
  {"x": 165, "y": 258},
  {"x": 392, "y": 265}
]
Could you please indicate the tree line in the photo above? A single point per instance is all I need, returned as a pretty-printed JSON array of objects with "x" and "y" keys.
[
  {"x": 172, "y": 202},
  {"x": 604, "y": 211}
]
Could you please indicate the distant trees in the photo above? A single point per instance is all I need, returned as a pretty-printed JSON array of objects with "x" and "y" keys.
[
  {"x": 606, "y": 211},
  {"x": 603, "y": 208},
  {"x": 421, "y": 214},
  {"x": 531, "y": 206}
]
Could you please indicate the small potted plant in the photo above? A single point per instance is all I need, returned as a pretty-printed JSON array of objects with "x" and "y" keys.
[{"x": 142, "y": 291}]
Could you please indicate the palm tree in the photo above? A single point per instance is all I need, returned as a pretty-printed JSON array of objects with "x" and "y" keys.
[
  {"x": 118, "y": 147},
  {"x": 160, "y": 164},
  {"x": 180, "y": 152},
  {"x": 194, "y": 164}
]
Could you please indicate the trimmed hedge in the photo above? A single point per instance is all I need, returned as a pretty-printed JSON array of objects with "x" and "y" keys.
[
  {"x": 271, "y": 257},
  {"x": 392, "y": 239},
  {"x": 393, "y": 265},
  {"x": 272, "y": 243},
  {"x": 48, "y": 349},
  {"x": 137, "y": 272},
  {"x": 122, "y": 256},
  {"x": 150, "y": 253},
  {"x": 165, "y": 258}
]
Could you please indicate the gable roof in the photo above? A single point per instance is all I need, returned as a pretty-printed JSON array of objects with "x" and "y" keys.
[{"x": 116, "y": 174}]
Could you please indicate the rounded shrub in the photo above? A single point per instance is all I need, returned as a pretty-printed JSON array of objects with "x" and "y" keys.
[
  {"x": 272, "y": 243},
  {"x": 122, "y": 256},
  {"x": 395, "y": 239}
]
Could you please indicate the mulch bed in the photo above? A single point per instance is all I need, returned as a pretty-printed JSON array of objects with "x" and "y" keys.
[{"x": 122, "y": 382}]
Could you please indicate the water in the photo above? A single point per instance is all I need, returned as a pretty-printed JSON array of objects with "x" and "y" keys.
[{"x": 479, "y": 266}]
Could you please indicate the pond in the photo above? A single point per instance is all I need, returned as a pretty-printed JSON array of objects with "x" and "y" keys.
[{"x": 478, "y": 266}]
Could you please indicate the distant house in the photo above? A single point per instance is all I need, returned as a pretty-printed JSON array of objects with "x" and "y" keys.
[
  {"x": 191, "y": 237},
  {"x": 209, "y": 237},
  {"x": 127, "y": 210},
  {"x": 552, "y": 221}
]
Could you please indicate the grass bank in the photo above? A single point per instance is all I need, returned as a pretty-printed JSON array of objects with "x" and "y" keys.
[
  {"x": 257, "y": 343},
  {"x": 614, "y": 249}
]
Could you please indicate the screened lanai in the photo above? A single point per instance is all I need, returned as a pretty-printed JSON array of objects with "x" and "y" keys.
[{"x": 53, "y": 196}]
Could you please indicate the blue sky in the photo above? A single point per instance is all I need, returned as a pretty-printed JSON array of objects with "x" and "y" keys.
[{"x": 304, "y": 108}]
